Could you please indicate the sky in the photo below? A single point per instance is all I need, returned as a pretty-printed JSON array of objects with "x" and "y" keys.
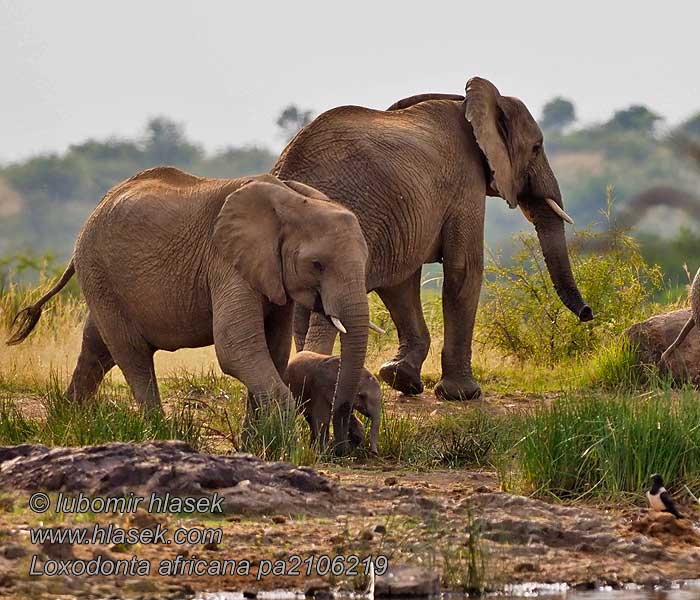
[{"x": 83, "y": 69}]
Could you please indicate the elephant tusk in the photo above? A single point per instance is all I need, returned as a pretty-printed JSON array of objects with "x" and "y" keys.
[
  {"x": 559, "y": 210},
  {"x": 376, "y": 328},
  {"x": 338, "y": 324}
]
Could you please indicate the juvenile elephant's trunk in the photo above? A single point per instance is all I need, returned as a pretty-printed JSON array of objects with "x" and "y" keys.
[{"x": 352, "y": 310}]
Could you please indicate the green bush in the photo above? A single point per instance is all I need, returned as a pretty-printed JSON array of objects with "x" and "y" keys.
[{"x": 523, "y": 317}]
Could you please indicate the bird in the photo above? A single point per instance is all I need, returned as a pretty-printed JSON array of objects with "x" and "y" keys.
[{"x": 659, "y": 499}]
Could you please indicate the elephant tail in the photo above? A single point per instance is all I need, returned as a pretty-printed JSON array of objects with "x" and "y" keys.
[{"x": 27, "y": 318}]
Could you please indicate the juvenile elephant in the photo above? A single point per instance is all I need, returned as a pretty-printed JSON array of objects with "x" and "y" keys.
[
  {"x": 312, "y": 379},
  {"x": 416, "y": 176},
  {"x": 168, "y": 260},
  {"x": 690, "y": 323}
]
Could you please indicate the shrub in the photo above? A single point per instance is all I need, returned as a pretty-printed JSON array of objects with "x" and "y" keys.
[{"x": 523, "y": 317}]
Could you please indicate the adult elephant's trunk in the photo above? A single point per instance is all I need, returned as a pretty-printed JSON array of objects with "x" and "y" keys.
[
  {"x": 543, "y": 193},
  {"x": 351, "y": 311},
  {"x": 550, "y": 232}
]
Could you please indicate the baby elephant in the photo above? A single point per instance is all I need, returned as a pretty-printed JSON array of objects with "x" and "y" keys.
[
  {"x": 312, "y": 379},
  {"x": 694, "y": 318}
]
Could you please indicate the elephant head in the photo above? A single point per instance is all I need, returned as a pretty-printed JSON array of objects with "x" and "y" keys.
[
  {"x": 291, "y": 242},
  {"x": 519, "y": 172}
]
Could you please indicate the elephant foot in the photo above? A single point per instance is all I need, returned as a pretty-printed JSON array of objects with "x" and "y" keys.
[
  {"x": 402, "y": 377},
  {"x": 450, "y": 389}
]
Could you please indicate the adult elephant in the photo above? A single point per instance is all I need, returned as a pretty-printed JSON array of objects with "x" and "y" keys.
[
  {"x": 168, "y": 260},
  {"x": 416, "y": 176}
]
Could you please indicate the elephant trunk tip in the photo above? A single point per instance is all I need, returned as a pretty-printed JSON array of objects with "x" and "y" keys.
[{"x": 585, "y": 314}]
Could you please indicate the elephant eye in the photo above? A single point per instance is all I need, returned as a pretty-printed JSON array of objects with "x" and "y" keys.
[
  {"x": 537, "y": 148},
  {"x": 318, "y": 266}
]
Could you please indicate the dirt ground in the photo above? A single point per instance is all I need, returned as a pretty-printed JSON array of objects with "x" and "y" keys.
[{"x": 419, "y": 519}]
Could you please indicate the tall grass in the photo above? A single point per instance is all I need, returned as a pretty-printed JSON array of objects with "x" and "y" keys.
[
  {"x": 592, "y": 445},
  {"x": 277, "y": 434},
  {"x": 106, "y": 418}
]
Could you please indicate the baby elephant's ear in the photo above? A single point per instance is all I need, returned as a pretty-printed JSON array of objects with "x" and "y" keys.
[{"x": 248, "y": 232}]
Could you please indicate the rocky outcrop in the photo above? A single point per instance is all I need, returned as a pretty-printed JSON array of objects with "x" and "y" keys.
[
  {"x": 249, "y": 484},
  {"x": 651, "y": 337}
]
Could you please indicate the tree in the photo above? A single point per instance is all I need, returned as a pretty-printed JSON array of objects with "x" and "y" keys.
[
  {"x": 291, "y": 120},
  {"x": 635, "y": 118},
  {"x": 165, "y": 144},
  {"x": 691, "y": 126},
  {"x": 557, "y": 114}
]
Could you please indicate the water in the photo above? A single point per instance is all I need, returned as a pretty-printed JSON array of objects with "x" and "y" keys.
[{"x": 687, "y": 590}]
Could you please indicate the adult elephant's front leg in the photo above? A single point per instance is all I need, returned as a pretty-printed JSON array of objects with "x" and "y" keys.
[
  {"x": 403, "y": 302},
  {"x": 463, "y": 251}
]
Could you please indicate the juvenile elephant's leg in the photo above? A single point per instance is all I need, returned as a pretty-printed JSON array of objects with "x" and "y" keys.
[
  {"x": 278, "y": 336},
  {"x": 94, "y": 363},
  {"x": 131, "y": 353},
  {"x": 321, "y": 335},
  {"x": 240, "y": 342},
  {"x": 463, "y": 273},
  {"x": 403, "y": 302},
  {"x": 140, "y": 374}
]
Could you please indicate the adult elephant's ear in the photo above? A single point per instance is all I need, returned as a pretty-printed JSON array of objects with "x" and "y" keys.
[
  {"x": 489, "y": 124},
  {"x": 248, "y": 232}
]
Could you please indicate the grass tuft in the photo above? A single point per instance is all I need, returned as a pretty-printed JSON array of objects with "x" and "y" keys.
[{"x": 608, "y": 445}]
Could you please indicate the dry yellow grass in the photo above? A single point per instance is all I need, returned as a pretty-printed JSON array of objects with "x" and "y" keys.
[{"x": 51, "y": 350}]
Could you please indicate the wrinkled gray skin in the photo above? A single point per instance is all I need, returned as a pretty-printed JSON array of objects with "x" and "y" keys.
[
  {"x": 168, "y": 260},
  {"x": 690, "y": 323},
  {"x": 416, "y": 176},
  {"x": 312, "y": 378}
]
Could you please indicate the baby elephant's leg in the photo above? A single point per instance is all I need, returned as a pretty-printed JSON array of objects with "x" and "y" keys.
[{"x": 357, "y": 432}]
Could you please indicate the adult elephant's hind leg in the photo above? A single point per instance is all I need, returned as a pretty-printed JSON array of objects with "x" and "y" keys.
[
  {"x": 94, "y": 362},
  {"x": 403, "y": 302}
]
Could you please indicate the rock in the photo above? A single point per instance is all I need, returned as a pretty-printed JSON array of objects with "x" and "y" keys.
[
  {"x": 407, "y": 581},
  {"x": 248, "y": 484},
  {"x": 667, "y": 529},
  {"x": 58, "y": 551},
  {"x": 653, "y": 336},
  {"x": 391, "y": 481},
  {"x": 212, "y": 547},
  {"x": 13, "y": 551}
]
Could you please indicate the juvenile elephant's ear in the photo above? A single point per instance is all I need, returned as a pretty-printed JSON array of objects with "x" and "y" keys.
[
  {"x": 247, "y": 232},
  {"x": 306, "y": 190},
  {"x": 489, "y": 124}
]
